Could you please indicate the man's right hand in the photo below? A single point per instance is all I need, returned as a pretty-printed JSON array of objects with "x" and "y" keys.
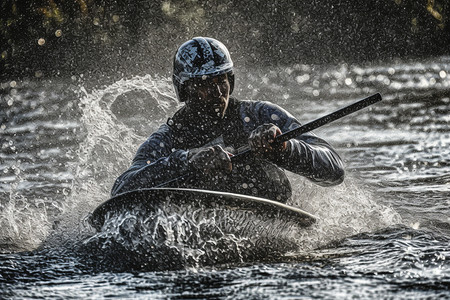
[{"x": 210, "y": 160}]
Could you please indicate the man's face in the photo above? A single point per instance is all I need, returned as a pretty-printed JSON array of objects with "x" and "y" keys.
[{"x": 210, "y": 96}]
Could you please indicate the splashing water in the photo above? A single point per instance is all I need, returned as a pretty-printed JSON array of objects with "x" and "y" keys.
[
  {"x": 109, "y": 145},
  {"x": 24, "y": 223},
  {"x": 188, "y": 236},
  {"x": 115, "y": 120},
  {"x": 396, "y": 154},
  {"x": 181, "y": 238},
  {"x": 344, "y": 210}
]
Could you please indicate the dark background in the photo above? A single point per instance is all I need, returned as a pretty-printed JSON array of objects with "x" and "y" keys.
[{"x": 120, "y": 38}]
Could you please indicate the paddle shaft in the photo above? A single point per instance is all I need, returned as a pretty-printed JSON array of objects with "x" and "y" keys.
[{"x": 300, "y": 130}]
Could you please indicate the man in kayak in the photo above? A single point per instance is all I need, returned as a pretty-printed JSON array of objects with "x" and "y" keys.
[{"x": 212, "y": 126}]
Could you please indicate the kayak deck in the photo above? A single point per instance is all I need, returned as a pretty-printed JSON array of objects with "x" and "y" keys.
[{"x": 153, "y": 198}]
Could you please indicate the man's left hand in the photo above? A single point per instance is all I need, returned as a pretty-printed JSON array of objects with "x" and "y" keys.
[{"x": 261, "y": 141}]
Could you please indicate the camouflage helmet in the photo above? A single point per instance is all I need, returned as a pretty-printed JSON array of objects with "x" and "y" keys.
[{"x": 201, "y": 57}]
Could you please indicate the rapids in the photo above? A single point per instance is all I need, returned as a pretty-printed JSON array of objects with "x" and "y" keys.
[{"x": 384, "y": 232}]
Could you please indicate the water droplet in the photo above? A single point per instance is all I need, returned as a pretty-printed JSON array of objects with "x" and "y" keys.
[
  {"x": 443, "y": 74},
  {"x": 302, "y": 78},
  {"x": 246, "y": 119},
  {"x": 274, "y": 117},
  {"x": 58, "y": 33},
  {"x": 415, "y": 225},
  {"x": 41, "y": 42}
]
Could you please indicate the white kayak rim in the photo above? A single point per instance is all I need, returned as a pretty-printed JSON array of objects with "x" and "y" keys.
[{"x": 154, "y": 197}]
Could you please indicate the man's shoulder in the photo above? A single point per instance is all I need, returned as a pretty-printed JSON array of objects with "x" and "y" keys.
[
  {"x": 164, "y": 132},
  {"x": 257, "y": 112},
  {"x": 256, "y": 105},
  {"x": 261, "y": 108},
  {"x": 158, "y": 142}
]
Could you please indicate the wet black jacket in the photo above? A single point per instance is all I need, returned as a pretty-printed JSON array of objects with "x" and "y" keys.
[{"x": 164, "y": 155}]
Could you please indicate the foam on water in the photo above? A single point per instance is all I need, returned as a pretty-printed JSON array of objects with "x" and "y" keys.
[
  {"x": 24, "y": 223},
  {"x": 344, "y": 210}
]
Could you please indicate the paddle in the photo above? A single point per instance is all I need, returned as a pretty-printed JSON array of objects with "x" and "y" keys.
[{"x": 300, "y": 130}]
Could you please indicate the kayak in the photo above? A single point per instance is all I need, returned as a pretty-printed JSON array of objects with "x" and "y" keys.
[{"x": 152, "y": 199}]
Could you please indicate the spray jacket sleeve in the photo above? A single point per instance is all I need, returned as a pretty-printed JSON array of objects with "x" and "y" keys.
[
  {"x": 313, "y": 158},
  {"x": 154, "y": 163},
  {"x": 306, "y": 155}
]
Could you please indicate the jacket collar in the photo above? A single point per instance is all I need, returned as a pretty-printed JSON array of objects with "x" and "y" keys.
[{"x": 184, "y": 118}]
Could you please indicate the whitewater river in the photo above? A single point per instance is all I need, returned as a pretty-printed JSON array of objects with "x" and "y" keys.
[{"x": 383, "y": 233}]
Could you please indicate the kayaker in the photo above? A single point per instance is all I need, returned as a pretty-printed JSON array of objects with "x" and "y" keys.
[{"x": 211, "y": 126}]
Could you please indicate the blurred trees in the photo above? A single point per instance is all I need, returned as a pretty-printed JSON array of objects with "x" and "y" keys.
[
  {"x": 57, "y": 37},
  {"x": 52, "y": 35}
]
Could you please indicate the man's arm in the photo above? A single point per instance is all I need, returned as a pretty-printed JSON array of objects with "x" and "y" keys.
[
  {"x": 306, "y": 155},
  {"x": 313, "y": 158},
  {"x": 154, "y": 163}
]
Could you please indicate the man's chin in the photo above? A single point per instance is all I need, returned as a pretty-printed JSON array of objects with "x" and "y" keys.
[{"x": 217, "y": 113}]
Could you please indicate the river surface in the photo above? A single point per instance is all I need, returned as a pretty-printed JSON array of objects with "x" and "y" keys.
[{"x": 383, "y": 233}]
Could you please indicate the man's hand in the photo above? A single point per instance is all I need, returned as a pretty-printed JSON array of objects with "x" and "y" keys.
[
  {"x": 261, "y": 141},
  {"x": 210, "y": 160}
]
